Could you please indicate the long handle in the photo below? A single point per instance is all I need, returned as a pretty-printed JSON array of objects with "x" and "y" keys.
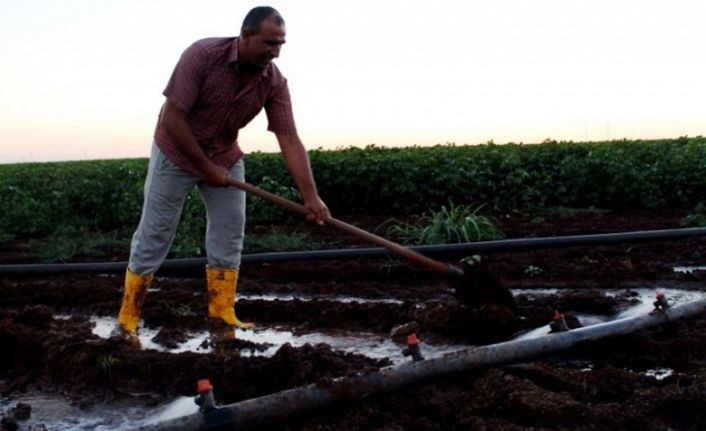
[{"x": 412, "y": 255}]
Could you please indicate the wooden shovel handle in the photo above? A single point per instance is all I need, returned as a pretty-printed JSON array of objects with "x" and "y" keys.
[{"x": 412, "y": 255}]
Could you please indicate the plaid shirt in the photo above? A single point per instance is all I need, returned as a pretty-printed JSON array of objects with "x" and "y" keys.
[{"x": 205, "y": 85}]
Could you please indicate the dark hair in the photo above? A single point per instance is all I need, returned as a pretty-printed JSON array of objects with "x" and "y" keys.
[{"x": 253, "y": 20}]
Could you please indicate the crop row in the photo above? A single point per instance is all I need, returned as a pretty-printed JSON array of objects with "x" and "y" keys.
[{"x": 106, "y": 195}]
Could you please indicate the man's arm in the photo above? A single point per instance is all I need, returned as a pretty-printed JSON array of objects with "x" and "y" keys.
[
  {"x": 297, "y": 161},
  {"x": 174, "y": 120}
]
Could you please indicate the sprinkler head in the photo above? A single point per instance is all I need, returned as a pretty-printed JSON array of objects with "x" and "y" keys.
[
  {"x": 661, "y": 303},
  {"x": 203, "y": 385},
  {"x": 205, "y": 399},
  {"x": 413, "y": 348},
  {"x": 558, "y": 323},
  {"x": 399, "y": 332}
]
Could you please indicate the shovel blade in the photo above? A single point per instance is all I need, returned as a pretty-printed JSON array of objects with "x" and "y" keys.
[{"x": 479, "y": 286}]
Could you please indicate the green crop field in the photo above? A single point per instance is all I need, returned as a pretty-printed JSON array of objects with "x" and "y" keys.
[{"x": 105, "y": 196}]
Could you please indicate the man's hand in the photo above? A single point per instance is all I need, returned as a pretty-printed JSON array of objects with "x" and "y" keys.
[
  {"x": 174, "y": 120},
  {"x": 215, "y": 176},
  {"x": 319, "y": 211}
]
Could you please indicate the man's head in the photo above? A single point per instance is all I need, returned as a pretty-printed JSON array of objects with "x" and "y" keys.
[{"x": 261, "y": 36}]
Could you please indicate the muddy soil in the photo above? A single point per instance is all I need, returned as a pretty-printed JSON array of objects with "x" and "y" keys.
[{"x": 48, "y": 343}]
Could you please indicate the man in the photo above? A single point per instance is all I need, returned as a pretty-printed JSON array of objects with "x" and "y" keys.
[{"x": 217, "y": 87}]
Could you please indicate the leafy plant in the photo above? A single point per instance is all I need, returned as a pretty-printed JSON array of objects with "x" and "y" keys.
[
  {"x": 262, "y": 211},
  {"x": 537, "y": 220},
  {"x": 106, "y": 363},
  {"x": 179, "y": 309},
  {"x": 697, "y": 218},
  {"x": 533, "y": 271},
  {"x": 455, "y": 224}
]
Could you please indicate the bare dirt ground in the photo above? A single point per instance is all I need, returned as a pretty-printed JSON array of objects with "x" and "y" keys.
[{"x": 597, "y": 386}]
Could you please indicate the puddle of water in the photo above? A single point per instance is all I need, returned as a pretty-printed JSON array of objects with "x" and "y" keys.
[
  {"x": 56, "y": 413},
  {"x": 371, "y": 345},
  {"x": 587, "y": 369},
  {"x": 374, "y": 345},
  {"x": 535, "y": 292},
  {"x": 331, "y": 298},
  {"x": 688, "y": 269},
  {"x": 645, "y": 297},
  {"x": 103, "y": 326},
  {"x": 659, "y": 373}
]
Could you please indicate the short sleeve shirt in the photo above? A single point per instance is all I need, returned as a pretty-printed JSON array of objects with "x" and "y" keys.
[{"x": 206, "y": 87}]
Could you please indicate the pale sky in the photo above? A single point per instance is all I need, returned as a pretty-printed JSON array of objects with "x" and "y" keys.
[{"x": 83, "y": 79}]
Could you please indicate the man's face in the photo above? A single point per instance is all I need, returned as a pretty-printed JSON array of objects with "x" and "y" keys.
[{"x": 261, "y": 47}]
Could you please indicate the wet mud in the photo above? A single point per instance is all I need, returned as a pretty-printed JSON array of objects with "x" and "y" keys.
[{"x": 49, "y": 344}]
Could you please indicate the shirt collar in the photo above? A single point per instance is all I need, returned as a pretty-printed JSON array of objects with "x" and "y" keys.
[{"x": 233, "y": 58}]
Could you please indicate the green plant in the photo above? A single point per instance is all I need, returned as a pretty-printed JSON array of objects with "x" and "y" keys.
[
  {"x": 533, "y": 271},
  {"x": 473, "y": 259},
  {"x": 179, "y": 309},
  {"x": 106, "y": 363},
  {"x": 536, "y": 180},
  {"x": 697, "y": 218},
  {"x": 455, "y": 224},
  {"x": 262, "y": 211}
]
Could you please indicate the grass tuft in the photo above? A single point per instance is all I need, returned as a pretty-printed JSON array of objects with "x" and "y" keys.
[{"x": 449, "y": 225}]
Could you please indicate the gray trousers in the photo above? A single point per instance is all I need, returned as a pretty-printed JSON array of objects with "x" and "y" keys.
[{"x": 166, "y": 188}]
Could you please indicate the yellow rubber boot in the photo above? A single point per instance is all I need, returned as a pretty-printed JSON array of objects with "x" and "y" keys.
[
  {"x": 133, "y": 297},
  {"x": 222, "y": 283}
]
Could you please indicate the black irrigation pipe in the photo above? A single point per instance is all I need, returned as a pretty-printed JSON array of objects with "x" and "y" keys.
[{"x": 497, "y": 246}]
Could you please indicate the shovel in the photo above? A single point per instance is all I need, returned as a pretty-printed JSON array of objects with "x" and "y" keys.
[{"x": 476, "y": 284}]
